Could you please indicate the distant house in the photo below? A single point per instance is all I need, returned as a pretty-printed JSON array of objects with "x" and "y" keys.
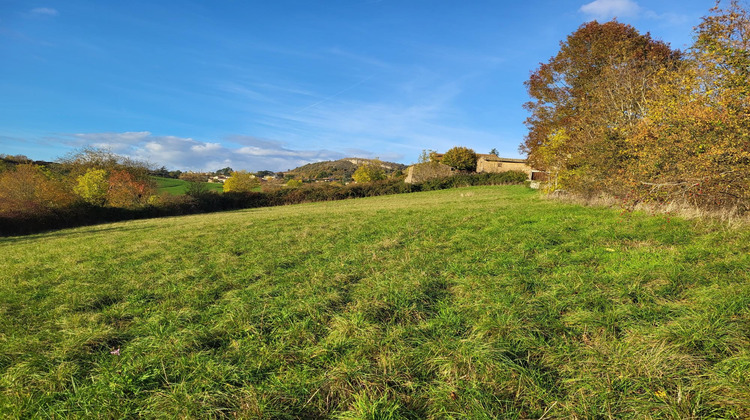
[
  {"x": 496, "y": 164},
  {"x": 218, "y": 179},
  {"x": 485, "y": 164}
]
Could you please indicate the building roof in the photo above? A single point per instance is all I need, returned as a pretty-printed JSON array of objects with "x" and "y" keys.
[
  {"x": 489, "y": 158},
  {"x": 493, "y": 158}
]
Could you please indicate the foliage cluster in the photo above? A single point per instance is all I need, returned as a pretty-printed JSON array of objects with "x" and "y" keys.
[
  {"x": 341, "y": 170},
  {"x": 474, "y": 303},
  {"x": 369, "y": 172},
  {"x": 461, "y": 158},
  {"x": 294, "y": 183},
  {"x": 29, "y": 191},
  {"x": 620, "y": 113},
  {"x": 241, "y": 181}
]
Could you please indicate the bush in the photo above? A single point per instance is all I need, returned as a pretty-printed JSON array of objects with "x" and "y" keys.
[
  {"x": 241, "y": 181},
  {"x": 29, "y": 189},
  {"x": 369, "y": 172},
  {"x": 461, "y": 158}
]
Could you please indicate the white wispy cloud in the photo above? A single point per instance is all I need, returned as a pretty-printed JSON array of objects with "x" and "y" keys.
[
  {"x": 607, "y": 9},
  {"x": 422, "y": 115},
  {"x": 238, "y": 152},
  {"x": 44, "y": 11}
]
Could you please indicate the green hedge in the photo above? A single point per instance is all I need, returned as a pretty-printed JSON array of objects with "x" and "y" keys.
[{"x": 84, "y": 214}]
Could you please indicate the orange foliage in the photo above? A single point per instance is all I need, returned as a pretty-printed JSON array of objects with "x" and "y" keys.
[
  {"x": 125, "y": 190},
  {"x": 619, "y": 113},
  {"x": 29, "y": 189}
]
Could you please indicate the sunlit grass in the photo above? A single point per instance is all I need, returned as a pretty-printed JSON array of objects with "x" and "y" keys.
[
  {"x": 480, "y": 302},
  {"x": 179, "y": 187}
]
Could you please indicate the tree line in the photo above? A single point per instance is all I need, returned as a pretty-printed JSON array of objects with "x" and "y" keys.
[{"x": 617, "y": 112}]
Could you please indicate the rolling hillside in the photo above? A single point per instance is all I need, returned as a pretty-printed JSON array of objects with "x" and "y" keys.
[
  {"x": 481, "y": 302},
  {"x": 179, "y": 186},
  {"x": 338, "y": 169}
]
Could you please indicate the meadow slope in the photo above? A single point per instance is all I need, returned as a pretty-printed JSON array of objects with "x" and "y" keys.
[{"x": 479, "y": 302}]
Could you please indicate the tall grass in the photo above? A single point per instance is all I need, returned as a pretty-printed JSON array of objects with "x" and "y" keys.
[{"x": 480, "y": 302}]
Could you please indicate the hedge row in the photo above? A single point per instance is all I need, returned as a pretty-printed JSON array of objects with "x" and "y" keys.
[{"x": 85, "y": 214}]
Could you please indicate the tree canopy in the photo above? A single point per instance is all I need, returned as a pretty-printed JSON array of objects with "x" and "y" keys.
[
  {"x": 368, "y": 172},
  {"x": 461, "y": 158},
  {"x": 241, "y": 181},
  {"x": 618, "y": 112}
]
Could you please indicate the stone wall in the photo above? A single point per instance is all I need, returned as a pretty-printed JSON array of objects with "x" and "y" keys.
[
  {"x": 494, "y": 164},
  {"x": 424, "y": 171}
]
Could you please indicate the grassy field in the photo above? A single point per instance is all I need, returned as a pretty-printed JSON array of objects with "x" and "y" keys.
[
  {"x": 179, "y": 187},
  {"x": 483, "y": 302}
]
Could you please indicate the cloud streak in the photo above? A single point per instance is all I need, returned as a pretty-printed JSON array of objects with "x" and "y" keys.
[
  {"x": 609, "y": 9},
  {"x": 606, "y": 9},
  {"x": 238, "y": 152},
  {"x": 44, "y": 11},
  {"x": 396, "y": 128}
]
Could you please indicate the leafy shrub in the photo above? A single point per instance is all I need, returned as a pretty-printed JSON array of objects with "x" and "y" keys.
[
  {"x": 294, "y": 183},
  {"x": 461, "y": 158},
  {"x": 28, "y": 189},
  {"x": 368, "y": 172},
  {"x": 92, "y": 186},
  {"x": 241, "y": 181}
]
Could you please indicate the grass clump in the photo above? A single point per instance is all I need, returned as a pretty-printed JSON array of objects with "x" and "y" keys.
[{"x": 478, "y": 302}]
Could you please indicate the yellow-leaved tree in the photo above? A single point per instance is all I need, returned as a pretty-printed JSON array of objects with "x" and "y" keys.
[
  {"x": 694, "y": 145},
  {"x": 92, "y": 186},
  {"x": 241, "y": 181},
  {"x": 368, "y": 172}
]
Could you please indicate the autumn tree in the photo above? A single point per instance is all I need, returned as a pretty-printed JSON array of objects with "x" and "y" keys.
[
  {"x": 31, "y": 189},
  {"x": 368, "y": 172},
  {"x": 695, "y": 144},
  {"x": 78, "y": 163},
  {"x": 427, "y": 155},
  {"x": 588, "y": 98},
  {"x": 125, "y": 190},
  {"x": 241, "y": 181},
  {"x": 294, "y": 183},
  {"x": 92, "y": 186},
  {"x": 461, "y": 158},
  {"x": 103, "y": 178}
]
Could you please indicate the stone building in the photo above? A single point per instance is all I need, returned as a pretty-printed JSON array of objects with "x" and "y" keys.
[
  {"x": 496, "y": 164},
  {"x": 485, "y": 164}
]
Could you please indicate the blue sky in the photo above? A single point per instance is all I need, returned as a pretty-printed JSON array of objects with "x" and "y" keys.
[{"x": 276, "y": 84}]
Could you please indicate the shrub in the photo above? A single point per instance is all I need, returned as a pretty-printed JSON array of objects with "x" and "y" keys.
[
  {"x": 124, "y": 190},
  {"x": 461, "y": 158},
  {"x": 92, "y": 186},
  {"x": 29, "y": 189},
  {"x": 368, "y": 172},
  {"x": 294, "y": 183},
  {"x": 241, "y": 181}
]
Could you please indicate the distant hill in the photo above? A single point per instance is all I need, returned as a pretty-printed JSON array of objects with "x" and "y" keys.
[
  {"x": 341, "y": 169},
  {"x": 8, "y": 162}
]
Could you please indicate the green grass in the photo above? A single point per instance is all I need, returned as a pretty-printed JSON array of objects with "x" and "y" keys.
[
  {"x": 179, "y": 186},
  {"x": 483, "y": 302}
]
